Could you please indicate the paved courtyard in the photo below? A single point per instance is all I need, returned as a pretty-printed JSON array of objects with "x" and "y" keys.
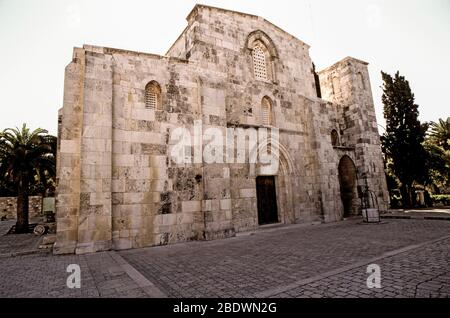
[{"x": 327, "y": 260}]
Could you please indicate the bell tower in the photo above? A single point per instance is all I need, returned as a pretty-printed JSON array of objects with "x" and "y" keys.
[{"x": 347, "y": 84}]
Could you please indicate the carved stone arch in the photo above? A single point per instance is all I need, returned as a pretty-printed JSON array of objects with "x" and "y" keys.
[
  {"x": 285, "y": 180},
  {"x": 348, "y": 181},
  {"x": 264, "y": 56},
  {"x": 153, "y": 84},
  {"x": 286, "y": 162},
  {"x": 278, "y": 150},
  {"x": 153, "y": 95},
  {"x": 147, "y": 80},
  {"x": 262, "y": 37}
]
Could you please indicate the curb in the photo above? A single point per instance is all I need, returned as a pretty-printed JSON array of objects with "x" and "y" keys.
[
  {"x": 25, "y": 253},
  {"x": 412, "y": 217},
  {"x": 141, "y": 281}
]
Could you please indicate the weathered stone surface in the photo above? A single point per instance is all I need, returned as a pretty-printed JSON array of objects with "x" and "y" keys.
[
  {"x": 412, "y": 254},
  {"x": 8, "y": 207},
  {"x": 118, "y": 185}
]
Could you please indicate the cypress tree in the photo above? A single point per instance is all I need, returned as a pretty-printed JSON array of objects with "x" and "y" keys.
[{"x": 402, "y": 142}]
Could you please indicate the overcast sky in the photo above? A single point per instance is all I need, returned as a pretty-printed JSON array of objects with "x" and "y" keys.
[{"x": 37, "y": 38}]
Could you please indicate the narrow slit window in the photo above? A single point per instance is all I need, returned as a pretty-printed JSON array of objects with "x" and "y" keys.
[
  {"x": 267, "y": 118},
  {"x": 334, "y": 138}
]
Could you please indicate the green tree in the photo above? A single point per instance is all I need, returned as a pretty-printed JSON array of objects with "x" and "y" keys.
[
  {"x": 438, "y": 165},
  {"x": 6, "y": 188},
  {"x": 437, "y": 145},
  {"x": 402, "y": 141},
  {"x": 440, "y": 133},
  {"x": 26, "y": 158},
  {"x": 45, "y": 181}
]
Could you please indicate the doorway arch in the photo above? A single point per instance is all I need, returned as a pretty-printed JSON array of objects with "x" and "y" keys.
[
  {"x": 348, "y": 187},
  {"x": 285, "y": 176}
]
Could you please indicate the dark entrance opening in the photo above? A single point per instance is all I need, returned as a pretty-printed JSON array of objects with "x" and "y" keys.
[
  {"x": 349, "y": 192},
  {"x": 267, "y": 200}
]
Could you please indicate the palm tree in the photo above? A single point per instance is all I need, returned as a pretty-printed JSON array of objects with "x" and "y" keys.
[
  {"x": 25, "y": 158},
  {"x": 45, "y": 180},
  {"x": 440, "y": 133}
]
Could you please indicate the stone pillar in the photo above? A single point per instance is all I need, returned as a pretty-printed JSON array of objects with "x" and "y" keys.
[
  {"x": 95, "y": 218},
  {"x": 83, "y": 206},
  {"x": 68, "y": 156}
]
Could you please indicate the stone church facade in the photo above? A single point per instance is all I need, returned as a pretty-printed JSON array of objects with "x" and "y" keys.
[{"x": 119, "y": 188}]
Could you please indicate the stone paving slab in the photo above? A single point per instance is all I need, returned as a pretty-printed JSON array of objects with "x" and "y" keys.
[
  {"x": 5, "y": 226},
  {"x": 148, "y": 287},
  {"x": 418, "y": 273},
  {"x": 251, "y": 265},
  {"x": 18, "y": 244},
  {"x": 45, "y": 276},
  {"x": 42, "y": 276},
  {"x": 248, "y": 265},
  {"x": 423, "y": 214}
]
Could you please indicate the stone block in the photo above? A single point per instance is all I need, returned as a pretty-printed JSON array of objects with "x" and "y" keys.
[
  {"x": 225, "y": 204},
  {"x": 191, "y": 206},
  {"x": 247, "y": 193}
]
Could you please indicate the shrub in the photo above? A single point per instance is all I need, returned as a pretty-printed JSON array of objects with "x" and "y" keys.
[{"x": 442, "y": 199}]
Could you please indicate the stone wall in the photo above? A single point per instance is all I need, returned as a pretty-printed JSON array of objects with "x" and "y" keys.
[
  {"x": 68, "y": 161},
  {"x": 222, "y": 43},
  {"x": 118, "y": 185},
  {"x": 8, "y": 207},
  {"x": 347, "y": 83}
]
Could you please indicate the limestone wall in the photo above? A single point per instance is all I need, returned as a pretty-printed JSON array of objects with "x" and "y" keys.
[
  {"x": 154, "y": 201},
  {"x": 69, "y": 155},
  {"x": 120, "y": 188},
  {"x": 221, "y": 45},
  {"x": 8, "y": 207},
  {"x": 347, "y": 83}
]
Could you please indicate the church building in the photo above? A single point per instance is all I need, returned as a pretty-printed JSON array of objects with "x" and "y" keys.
[{"x": 118, "y": 183}]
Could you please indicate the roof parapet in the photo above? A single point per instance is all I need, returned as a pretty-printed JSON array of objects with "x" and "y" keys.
[
  {"x": 347, "y": 59},
  {"x": 109, "y": 50},
  {"x": 199, "y": 6}
]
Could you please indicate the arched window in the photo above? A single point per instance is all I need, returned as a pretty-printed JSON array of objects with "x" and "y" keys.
[
  {"x": 334, "y": 138},
  {"x": 264, "y": 55},
  {"x": 267, "y": 112},
  {"x": 260, "y": 62},
  {"x": 153, "y": 96}
]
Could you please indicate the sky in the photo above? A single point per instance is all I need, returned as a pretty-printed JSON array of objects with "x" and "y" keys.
[{"x": 37, "y": 39}]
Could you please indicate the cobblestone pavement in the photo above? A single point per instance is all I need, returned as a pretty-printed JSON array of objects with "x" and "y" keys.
[
  {"x": 420, "y": 273},
  {"x": 10, "y": 244},
  {"x": 45, "y": 276},
  {"x": 430, "y": 214},
  {"x": 249, "y": 266},
  {"x": 297, "y": 261},
  {"x": 5, "y": 226}
]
